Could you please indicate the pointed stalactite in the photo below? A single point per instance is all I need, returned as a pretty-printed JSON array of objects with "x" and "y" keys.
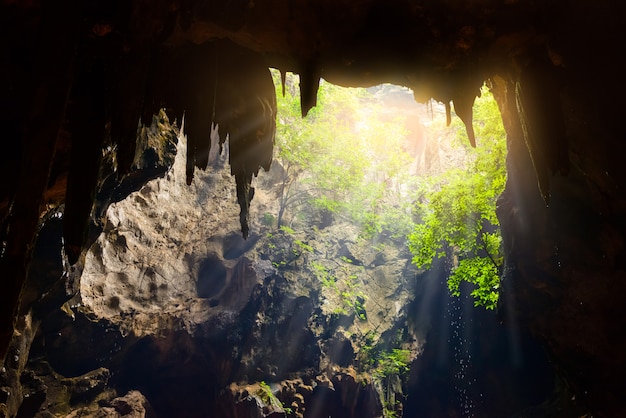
[
  {"x": 152, "y": 102},
  {"x": 198, "y": 130},
  {"x": 227, "y": 85},
  {"x": 537, "y": 157},
  {"x": 251, "y": 145},
  {"x": 448, "y": 114},
  {"x": 201, "y": 110},
  {"x": 310, "y": 77},
  {"x": 87, "y": 122},
  {"x": 541, "y": 98},
  {"x": 541, "y": 116},
  {"x": 194, "y": 68},
  {"x": 249, "y": 117},
  {"x": 245, "y": 193},
  {"x": 463, "y": 103},
  {"x": 202, "y": 76},
  {"x": 166, "y": 86},
  {"x": 199, "y": 98},
  {"x": 283, "y": 80}
]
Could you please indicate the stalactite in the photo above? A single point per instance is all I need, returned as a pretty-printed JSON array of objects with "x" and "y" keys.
[
  {"x": 126, "y": 110},
  {"x": 87, "y": 118},
  {"x": 459, "y": 88},
  {"x": 543, "y": 178},
  {"x": 309, "y": 85},
  {"x": 463, "y": 101},
  {"x": 231, "y": 87},
  {"x": 248, "y": 115},
  {"x": 283, "y": 80},
  {"x": 541, "y": 117},
  {"x": 51, "y": 85}
]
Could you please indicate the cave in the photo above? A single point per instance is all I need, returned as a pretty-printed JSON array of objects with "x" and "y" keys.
[{"x": 77, "y": 78}]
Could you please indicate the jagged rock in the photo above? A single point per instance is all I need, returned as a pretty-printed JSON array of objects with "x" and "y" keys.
[{"x": 183, "y": 306}]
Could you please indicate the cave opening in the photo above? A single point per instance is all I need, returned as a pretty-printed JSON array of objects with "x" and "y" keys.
[
  {"x": 325, "y": 291},
  {"x": 397, "y": 170},
  {"x": 450, "y": 183},
  {"x": 324, "y": 281}
]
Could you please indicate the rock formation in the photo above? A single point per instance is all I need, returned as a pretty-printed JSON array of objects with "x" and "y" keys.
[
  {"x": 78, "y": 77},
  {"x": 177, "y": 315}
]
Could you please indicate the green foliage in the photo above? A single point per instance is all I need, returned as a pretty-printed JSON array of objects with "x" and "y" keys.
[
  {"x": 268, "y": 219},
  {"x": 345, "y": 285},
  {"x": 352, "y": 298},
  {"x": 381, "y": 361},
  {"x": 284, "y": 249},
  {"x": 484, "y": 274},
  {"x": 384, "y": 366},
  {"x": 355, "y": 301},
  {"x": 389, "y": 413},
  {"x": 287, "y": 230},
  {"x": 324, "y": 276},
  {"x": 457, "y": 214},
  {"x": 267, "y": 396},
  {"x": 343, "y": 158},
  {"x": 393, "y": 363}
]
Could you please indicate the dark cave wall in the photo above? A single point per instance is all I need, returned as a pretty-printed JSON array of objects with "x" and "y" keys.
[
  {"x": 565, "y": 253},
  {"x": 555, "y": 68},
  {"x": 565, "y": 277}
]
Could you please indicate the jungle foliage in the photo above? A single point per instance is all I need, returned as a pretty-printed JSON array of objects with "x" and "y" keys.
[{"x": 456, "y": 211}]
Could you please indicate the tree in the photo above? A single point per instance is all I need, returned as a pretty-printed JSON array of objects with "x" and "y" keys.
[
  {"x": 457, "y": 212},
  {"x": 319, "y": 159}
]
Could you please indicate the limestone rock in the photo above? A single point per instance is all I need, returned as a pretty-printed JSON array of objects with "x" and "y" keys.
[{"x": 131, "y": 405}]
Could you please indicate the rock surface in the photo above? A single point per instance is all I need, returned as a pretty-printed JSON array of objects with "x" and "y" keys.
[{"x": 170, "y": 292}]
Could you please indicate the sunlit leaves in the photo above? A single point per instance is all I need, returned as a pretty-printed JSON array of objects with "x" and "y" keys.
[
  {"x": 456, "y": 211},
  {"x": 483, "y": 273},
  {"x": 393, "y": 363}
]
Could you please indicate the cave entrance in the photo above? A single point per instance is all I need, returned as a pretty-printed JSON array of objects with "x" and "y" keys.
[{"x": 372, "y": 168}]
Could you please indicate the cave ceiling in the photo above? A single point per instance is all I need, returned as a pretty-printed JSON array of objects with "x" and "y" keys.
[{"x": 121, "y": 61}]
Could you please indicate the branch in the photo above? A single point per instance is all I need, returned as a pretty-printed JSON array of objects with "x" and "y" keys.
[{"x": 482, "y": 240}]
